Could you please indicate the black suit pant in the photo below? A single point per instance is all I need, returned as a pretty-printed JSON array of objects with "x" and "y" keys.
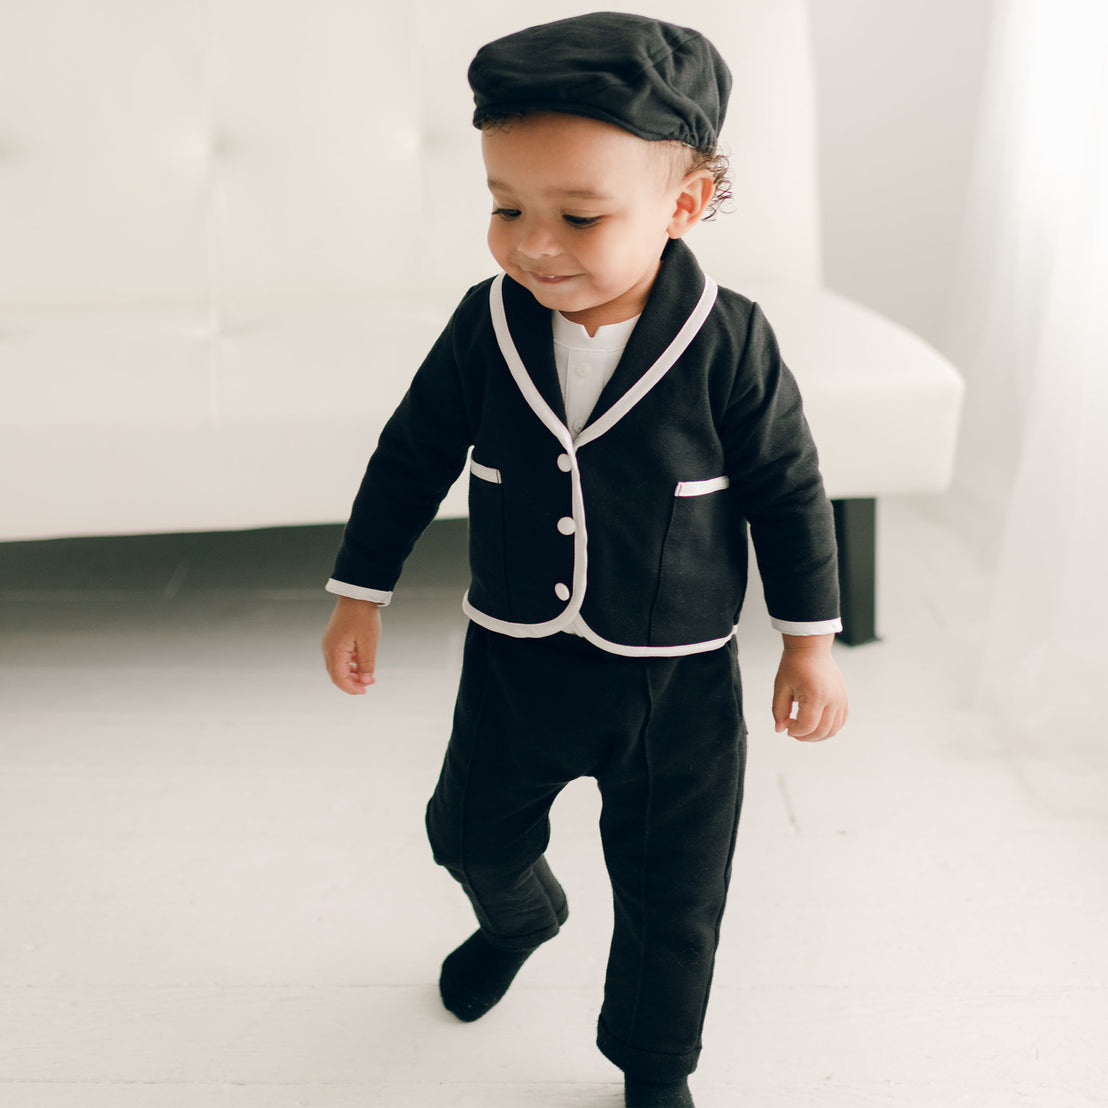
[{"x": 665, "y": 740}]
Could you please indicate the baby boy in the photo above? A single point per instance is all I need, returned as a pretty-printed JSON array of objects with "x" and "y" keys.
[{"x": 625, "y": 422}]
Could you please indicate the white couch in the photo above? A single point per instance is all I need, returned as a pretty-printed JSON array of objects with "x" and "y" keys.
[{"x": 229, "y": 230}]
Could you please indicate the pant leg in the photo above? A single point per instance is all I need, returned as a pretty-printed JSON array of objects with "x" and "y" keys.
[
  {"x": 671, "y": 804},
  {"x": 488, "y": 820}
]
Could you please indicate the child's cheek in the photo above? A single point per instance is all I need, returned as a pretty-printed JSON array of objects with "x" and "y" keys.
[
  {"x": 499, "y": 246},
  {"x": 495, "y": 238}
]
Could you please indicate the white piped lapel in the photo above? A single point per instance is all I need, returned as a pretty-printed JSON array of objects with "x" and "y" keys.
[{"x": 628, "y": 400}]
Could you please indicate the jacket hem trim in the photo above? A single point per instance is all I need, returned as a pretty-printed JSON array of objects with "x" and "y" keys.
[{"x": 568, "y": 619}]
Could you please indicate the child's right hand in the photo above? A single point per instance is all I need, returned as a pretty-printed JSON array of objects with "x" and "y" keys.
[{"x": 350, "y": 644}]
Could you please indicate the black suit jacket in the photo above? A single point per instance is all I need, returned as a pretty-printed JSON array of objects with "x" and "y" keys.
[{"x": 638, "y": 524}]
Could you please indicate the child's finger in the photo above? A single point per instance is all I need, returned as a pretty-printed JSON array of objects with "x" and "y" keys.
[
  {"x": 359, "y": 677},
  {"x": 812, "y": 723},
  {"x": 831, "y": 722},
  {"x": 343, "y": 668},
  {"x": 364, "y": 664},
  {"x": 782, "y": 708}
]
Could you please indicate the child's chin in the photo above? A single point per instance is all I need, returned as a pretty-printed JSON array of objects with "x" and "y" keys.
[
  {"x": 564, "y": 293},
  {"x": 562, "y": 299}
]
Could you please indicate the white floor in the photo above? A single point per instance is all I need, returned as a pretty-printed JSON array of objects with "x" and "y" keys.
[{"x": 216, "y": 890}]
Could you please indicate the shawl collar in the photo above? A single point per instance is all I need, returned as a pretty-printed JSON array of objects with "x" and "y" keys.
[
  {"x": 533, "y": 334},
  {"x": 674, "y": 296},
  {"x": 676, "y": 292}
]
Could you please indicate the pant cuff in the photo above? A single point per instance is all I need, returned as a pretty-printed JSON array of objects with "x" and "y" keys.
[
  {"x": 521, "y": 943},
  {"x": 645, "y": 1065}
]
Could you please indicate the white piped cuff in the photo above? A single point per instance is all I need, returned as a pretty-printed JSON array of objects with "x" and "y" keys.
[
  {"x": 356, "y": 592},
  {"x": 822, "y": 627}
]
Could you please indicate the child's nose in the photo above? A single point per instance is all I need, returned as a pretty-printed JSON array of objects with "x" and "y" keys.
[{"x": 536, "y": 239}]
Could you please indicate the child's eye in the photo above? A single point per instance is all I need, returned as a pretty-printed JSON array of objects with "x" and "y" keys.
[
  {"x": 581, "y": 220},
  {"x": 506, "y": 213}
]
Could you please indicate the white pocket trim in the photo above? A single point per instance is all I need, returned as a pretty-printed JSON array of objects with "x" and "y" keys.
[
  {"x": 486, "y": 473},
  {"x": 702, "y": 488}
]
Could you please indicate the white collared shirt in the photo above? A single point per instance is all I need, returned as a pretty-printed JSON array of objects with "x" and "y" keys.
[{"x": 586, "y": 363}]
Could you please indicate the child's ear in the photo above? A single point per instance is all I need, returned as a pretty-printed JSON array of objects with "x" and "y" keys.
[{"x": 696, "y": 191}]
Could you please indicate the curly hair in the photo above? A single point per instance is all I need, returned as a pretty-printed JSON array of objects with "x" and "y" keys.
[
  {"x": 685, "y": 159},
  {"x": 719, "y": 165}
]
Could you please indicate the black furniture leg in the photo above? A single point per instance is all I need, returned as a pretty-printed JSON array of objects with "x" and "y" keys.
[{"x": 856, "y": 533}]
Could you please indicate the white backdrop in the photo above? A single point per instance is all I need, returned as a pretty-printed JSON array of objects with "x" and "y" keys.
[
  {"x": 229, "y": 229},
  {"x": 898, "y": 86},
  {"x": 1030, "y": 328},
  {"x": 963, "y": 190}
]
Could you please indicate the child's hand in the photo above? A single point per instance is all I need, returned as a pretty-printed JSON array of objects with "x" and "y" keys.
[
  {"x": 809, "y": 678},
  {"x": 350, "y": 644}
]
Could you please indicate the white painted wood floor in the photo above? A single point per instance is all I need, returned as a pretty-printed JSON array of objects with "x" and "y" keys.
[{"x": 217, "y": 893}]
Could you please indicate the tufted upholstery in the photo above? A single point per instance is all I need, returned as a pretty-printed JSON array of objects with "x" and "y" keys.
[{"x": 229, "y": 229}]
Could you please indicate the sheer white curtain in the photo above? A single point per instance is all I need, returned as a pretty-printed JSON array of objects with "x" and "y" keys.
[{"x": 1030, "y": 327}]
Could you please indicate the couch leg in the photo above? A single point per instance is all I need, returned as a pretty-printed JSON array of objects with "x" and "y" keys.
[{"x": 856, "y": 533}]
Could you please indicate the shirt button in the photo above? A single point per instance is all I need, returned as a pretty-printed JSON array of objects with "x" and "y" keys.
[
  {"x": 565, "y": 463},
  {"x": 566, "y": 525},
  {"x": 561, "y": 592},
  {"x": 582, "y": 369}
]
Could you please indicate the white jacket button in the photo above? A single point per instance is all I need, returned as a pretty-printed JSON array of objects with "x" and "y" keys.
[
  {"x": 561, "y": 591},
  {"x": 566, "y": 525},
  {"x": 565, "y": 463}
]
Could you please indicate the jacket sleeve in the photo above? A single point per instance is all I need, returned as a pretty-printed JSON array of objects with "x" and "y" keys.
[
  {"x": 419, "y": 455},
  {"x": 774, "y": 470}
]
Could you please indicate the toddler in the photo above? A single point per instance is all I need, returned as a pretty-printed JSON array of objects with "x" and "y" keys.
[{"x": 624, "y": 422}]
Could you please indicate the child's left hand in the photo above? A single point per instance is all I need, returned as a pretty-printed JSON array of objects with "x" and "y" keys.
[{"x": 809, "y": 678}]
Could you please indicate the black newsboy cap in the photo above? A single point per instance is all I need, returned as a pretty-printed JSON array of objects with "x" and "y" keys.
[{"x": 656, "y": 80}]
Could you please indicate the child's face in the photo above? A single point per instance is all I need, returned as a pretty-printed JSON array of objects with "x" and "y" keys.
[{"x": 582, "y": 211}]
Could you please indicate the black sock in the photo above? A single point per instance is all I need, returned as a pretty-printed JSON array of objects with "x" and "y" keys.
[
  {"x": 642, "y": 1094},
  {"x": 476, "y": 975}
]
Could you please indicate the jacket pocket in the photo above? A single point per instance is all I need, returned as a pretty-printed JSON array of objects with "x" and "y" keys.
[
  {"x": 697, "y": 579},
  {"x": 702, "y": 488},
  {"x": 487, "y": 550},
  {"x": 485, "y": 473}
]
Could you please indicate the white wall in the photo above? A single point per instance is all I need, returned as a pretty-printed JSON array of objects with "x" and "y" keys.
[{"x": 898, "y": 83}]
